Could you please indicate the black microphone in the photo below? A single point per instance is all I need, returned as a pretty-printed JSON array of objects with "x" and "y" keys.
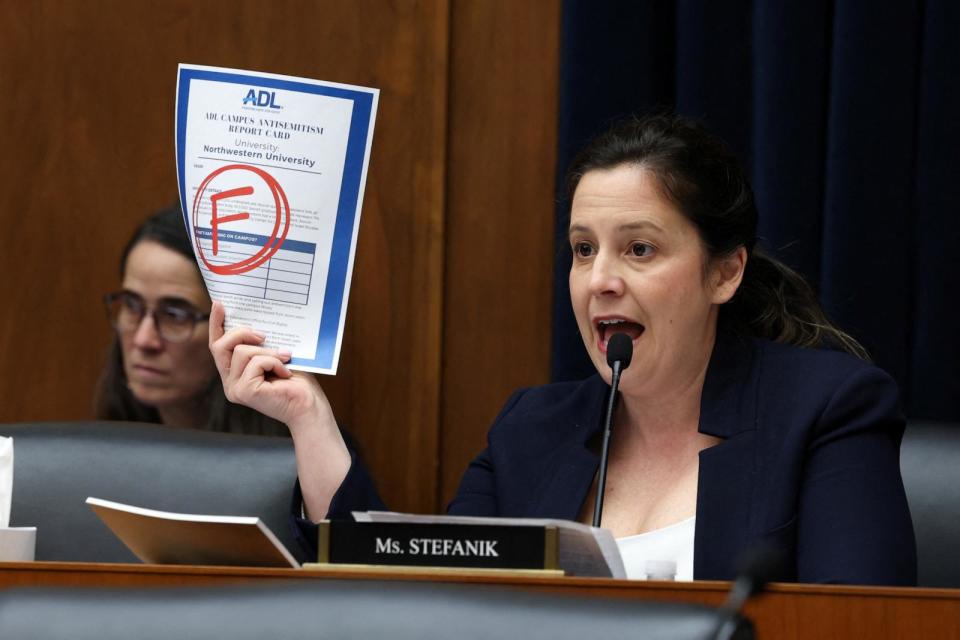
[
  {"x": 760, "y": 564},
  {"x": 619, "y": 354}
]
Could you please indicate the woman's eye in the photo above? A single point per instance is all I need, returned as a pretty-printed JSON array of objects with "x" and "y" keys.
[
  {"x": 582, "y": 249},
  {"x": 641, "y": 250},
  {"x": 176, "y": 315},
  {"x": 132, "y": 303}
]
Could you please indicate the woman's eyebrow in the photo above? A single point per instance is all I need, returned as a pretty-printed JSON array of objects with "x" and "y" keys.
[
  {"x": 630, "y": 226},
  {"x": 172, "y": 300},
  {"x": 640, "y": 224}
]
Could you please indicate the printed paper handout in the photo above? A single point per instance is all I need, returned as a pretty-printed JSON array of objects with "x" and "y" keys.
[{"x": 272, "y": 171}]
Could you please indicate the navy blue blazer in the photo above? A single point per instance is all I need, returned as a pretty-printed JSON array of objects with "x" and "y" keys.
[{"x": 809, "y": 459}]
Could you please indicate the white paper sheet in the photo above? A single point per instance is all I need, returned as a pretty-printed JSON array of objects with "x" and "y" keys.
[{"x": 272, "y": 171}]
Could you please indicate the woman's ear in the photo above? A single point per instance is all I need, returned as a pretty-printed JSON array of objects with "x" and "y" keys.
[{"x": 727, "y": 274}]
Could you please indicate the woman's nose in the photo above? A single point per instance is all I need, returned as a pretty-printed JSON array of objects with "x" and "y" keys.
[
  {"x": 146, "y": 335},
  {"x": 605, "y": 277}
]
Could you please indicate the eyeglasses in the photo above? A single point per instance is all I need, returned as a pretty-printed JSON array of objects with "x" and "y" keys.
[{"x": 175, "y": 321}]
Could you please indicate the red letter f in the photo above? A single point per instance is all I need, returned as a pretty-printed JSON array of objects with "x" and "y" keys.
[{"x": 216, "y": 221}]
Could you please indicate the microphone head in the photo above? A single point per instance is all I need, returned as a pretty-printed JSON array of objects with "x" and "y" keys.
[{"x": 619, "y": 349}]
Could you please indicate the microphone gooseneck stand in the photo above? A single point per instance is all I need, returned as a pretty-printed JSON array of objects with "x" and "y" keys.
[
  {"x": 619, "y": 354},
  {"x": 760, "y": 564}
]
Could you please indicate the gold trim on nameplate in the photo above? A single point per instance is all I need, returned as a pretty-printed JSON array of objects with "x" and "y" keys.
[
  {"x": 551, "y": 549},
  {"x": 421, "y": 570},
  {"x": 323, "y": 546}
]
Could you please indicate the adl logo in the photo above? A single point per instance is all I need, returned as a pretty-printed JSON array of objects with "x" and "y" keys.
[{"x": 261, "y": 99}]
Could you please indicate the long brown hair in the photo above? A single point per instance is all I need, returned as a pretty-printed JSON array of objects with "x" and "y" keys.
[{"x": 697, "y": 172}]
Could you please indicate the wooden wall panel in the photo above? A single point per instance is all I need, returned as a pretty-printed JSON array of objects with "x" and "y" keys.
[
  {"x": 88, "y": 152},
  {"x": 467, "y": 106},
  {"x": 500, "y": 212}
]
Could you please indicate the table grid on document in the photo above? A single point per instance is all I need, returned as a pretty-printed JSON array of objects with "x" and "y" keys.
[{"x": 284, "y": 277}]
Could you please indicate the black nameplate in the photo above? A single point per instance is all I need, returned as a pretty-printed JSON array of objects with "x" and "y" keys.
[{"x": 438, "y": 545}]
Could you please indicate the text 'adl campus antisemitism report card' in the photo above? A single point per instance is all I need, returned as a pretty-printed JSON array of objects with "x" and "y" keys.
[{"x": 271, "y": 172}]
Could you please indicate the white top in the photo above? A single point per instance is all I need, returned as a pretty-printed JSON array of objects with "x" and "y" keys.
[{"x": 660, "y": 548}]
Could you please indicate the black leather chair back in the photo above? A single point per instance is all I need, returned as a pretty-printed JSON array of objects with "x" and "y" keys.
[
  {"x": 58, "y": 465},
  {"x": 930, "y": 464},
  {"x": 336, "y": 610}
]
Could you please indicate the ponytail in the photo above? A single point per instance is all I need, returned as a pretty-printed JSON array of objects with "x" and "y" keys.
[{"x": 776, "y": 303}]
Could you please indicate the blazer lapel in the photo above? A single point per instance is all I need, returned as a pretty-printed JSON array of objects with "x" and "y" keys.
[
  {"x": 572, "y": 466},
  {"x": 727, "y": 471},
  {"x": 728, "y": 410}
]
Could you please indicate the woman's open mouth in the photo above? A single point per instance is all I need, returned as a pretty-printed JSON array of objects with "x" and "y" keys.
[{"x": 609, "y": 326}]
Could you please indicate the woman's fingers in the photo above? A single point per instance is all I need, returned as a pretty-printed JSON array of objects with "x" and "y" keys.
[
  {"x": 268, "y": 386},
  {"x": 223, "y": 344},
  {"x": 259, "y": 366},
  {"x": 254, "y": 375},
  {"x": 242, "y": 354}
]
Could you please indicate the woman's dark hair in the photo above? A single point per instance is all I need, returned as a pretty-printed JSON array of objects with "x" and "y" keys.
[
  {"x": 697, "y": 172},
  {"x": 113, "y": 399}
]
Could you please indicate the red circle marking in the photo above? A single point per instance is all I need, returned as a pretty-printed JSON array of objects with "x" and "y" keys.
[{"x": 273, "y": 242}]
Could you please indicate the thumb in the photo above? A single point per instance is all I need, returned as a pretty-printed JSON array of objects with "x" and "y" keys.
[{"x": 217, "y": 315}]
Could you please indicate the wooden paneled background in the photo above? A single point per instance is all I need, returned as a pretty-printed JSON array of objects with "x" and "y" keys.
[{"x": 450, "y": 304}]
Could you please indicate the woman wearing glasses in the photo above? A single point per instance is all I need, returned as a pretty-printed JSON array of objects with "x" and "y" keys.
[{"x": 159, "y": 368}]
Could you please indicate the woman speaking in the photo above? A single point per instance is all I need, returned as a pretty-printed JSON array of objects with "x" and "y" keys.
[{"x": 744, "y": 416}]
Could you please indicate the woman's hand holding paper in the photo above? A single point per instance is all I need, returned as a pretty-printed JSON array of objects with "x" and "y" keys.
[{"x": 256, "y": 376}]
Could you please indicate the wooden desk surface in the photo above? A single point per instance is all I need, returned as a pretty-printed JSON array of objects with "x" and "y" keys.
[{"x": 785, "y": 611}]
